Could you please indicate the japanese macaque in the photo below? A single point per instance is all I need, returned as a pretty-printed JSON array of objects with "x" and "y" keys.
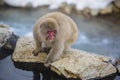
[{"x": 55, "y": 31}]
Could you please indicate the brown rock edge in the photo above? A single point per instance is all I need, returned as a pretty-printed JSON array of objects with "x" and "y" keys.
[{"x": 75, "y": 64}]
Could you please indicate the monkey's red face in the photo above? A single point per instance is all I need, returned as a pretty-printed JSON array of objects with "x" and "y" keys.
[{"x": 51, "y": 35}]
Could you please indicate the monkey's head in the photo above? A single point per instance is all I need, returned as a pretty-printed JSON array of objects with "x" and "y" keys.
[{"x": 49, "y": 30}]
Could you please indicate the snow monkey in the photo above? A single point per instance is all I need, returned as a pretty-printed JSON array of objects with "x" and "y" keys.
[{"x": 56, "y": 31}]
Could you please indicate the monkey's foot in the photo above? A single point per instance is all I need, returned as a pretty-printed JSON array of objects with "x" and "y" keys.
[
  {"x": 35, "y": 53},
  {"x": 42, "y": 50}
]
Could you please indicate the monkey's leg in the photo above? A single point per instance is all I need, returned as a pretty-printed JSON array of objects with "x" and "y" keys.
[
  {"x": 37, "y": 49},
  {"x": 55, "y": 52},
  {"x": 67, "y": 46}
]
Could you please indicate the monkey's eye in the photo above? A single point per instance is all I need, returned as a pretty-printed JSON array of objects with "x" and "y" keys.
[{"x": 42, "y": 26}]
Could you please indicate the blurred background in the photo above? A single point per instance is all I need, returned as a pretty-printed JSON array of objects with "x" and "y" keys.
[{"x": 98, "y": 22}]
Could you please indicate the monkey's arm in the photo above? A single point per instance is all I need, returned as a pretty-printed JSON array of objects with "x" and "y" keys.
[
  {"x": 55, "y": 52},
  {"x": 38, "y": 42},
  {"x": 37, "y": 49}
]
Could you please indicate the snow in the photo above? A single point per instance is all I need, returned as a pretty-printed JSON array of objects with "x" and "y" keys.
[{"x": 54, "y": 4}]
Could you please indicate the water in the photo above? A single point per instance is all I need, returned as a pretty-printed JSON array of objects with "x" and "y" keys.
[
  {"x": 9, "y": 72},
  {"x": 96, "y": 35}
]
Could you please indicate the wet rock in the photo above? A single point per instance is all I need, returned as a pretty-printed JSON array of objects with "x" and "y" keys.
[
  {"x": 1, "y": 2},
  {"x": 117, "y": 3},
  {"x": 86, "y": 12},
  {"x": 5, "y": 34},
  {"x": 118, "y": 67},
  {"x": 72, "y": 64},
  {"x": 118, "y": 61},
  {"x": 94, "y": 12},
  {"x": 66, "y": 8},
  {"x": 107, "y": 10},
  {"x": 116, "y": 10}
]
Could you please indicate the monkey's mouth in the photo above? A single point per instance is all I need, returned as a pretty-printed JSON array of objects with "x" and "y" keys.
[{"x": 51, "y": 35}]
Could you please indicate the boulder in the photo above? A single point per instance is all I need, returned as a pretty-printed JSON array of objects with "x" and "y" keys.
[{"x": 5, "y": 34}]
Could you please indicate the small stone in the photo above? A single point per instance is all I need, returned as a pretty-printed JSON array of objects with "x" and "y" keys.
[
  {"x": 118, "y": 65},
  {"x": 118, "y": 68}
]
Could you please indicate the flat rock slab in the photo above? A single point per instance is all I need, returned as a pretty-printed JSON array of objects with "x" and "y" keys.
[
  {"x": 23, "y": 51},
  {"x": 72, "y": 64},
  {"x": 83, "y": 65}
]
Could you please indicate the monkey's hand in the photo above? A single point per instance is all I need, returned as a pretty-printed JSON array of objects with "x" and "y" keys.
[
  {"x": 48, "y": 61},
  {"x": 36, "y": 51},
  {"x": 47, "y": 64},
  {"x": 55, "y": 52}
]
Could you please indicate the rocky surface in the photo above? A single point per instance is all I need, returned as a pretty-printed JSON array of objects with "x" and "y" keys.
[
  {"x": 5, "y": 34},
  {"x": 72, "y": 64}
]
